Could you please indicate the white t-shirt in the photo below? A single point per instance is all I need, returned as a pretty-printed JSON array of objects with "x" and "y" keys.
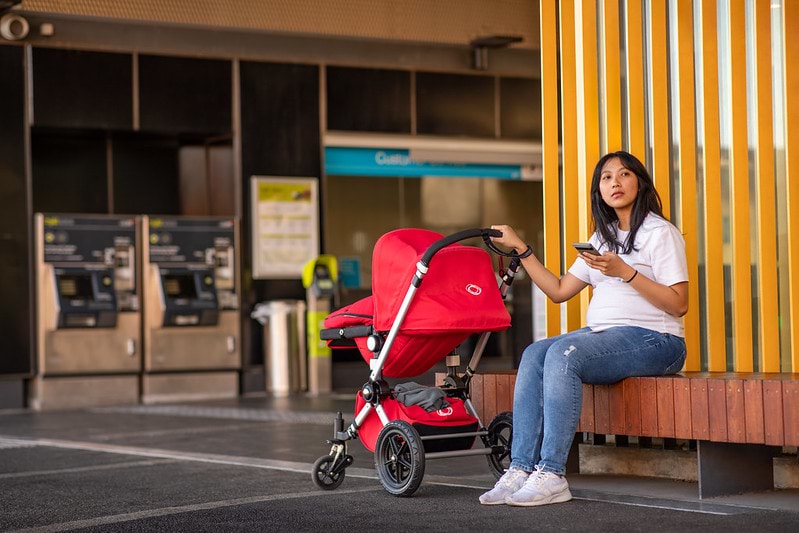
[{"x": 660, "y": 256}]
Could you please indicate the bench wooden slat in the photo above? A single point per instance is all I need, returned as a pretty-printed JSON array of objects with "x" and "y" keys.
[
  {"x": 632, "y": 406},
  {"x": 601, "y": 413},
  {"x": 649, "y": 407},
  {"x": 476, "y": 388},
  {"x": 616, "y": 408},
  {"x": 772, "y": 413},
  {"x": 665, "y": 396},
  {"x": 682, "y": 409},
  {"x": 504, "y": 393},
  {"x": 736, "y": 418},
  {"x": 489, "y": 397},
  {"x": 700, "y": 418},
  {"x": 587, "y": 414},
  {"x": 790, "y": 402},
  {"x": 753, "y": 409},
  {"x": 717, "y": 409}
]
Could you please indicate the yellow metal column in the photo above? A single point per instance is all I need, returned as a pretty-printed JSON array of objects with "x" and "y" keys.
[
  {"x": 588, "y": 119},
  {"x": 635, "y": 80},
  {"x": 684, "y": 71},
  {"x": 571, "y": 184},
  {"x": 611, "y": 75},
  {"x": 714, "y": 262},
  {"x": 790, "y": 29},
  {"x": 659, "y": 101},
  {"x": 768, "y": 303},
  {"x": 739, "y": 188},
  {"x": 550, "y": 163}
]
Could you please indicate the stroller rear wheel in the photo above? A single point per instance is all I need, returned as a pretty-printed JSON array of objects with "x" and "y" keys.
[
  {"x": 399, "y": 458},
  {"x": 326, "y": 474},
  {"x": 500, "y": 433}
]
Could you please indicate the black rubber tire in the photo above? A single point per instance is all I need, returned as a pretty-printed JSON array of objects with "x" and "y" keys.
[
  {"x": 399, "y": 458},
  {"x": 500, "y": 433},
  {"x": 322, "y": 475}
]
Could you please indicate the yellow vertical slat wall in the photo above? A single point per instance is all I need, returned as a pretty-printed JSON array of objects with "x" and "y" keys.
[
  {"x": 686, "y": 84},
  {"x": 790, "y": 43},
  {"x": 592, "y": 39},
  {"x": 739, "y": 189},
  {"x": 711, "y": 166},
  {"x": 658, "y": 84},
  {"x": 550, "y": 151},
  {"x": 634, "y": 46},
  {"x": 768, "y": 303},
  {"x": 611, "y": 77},
  {"x": 571, "y": 189},
  {"x": 587, "y": 119}
]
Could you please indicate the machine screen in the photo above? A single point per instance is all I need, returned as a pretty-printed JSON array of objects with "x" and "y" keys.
[
  {"x": 78, "y": 286},
  {"x": 180, "y": 286}
]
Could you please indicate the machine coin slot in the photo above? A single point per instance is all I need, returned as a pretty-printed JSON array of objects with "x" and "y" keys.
[{"x": 86, "y": 299}]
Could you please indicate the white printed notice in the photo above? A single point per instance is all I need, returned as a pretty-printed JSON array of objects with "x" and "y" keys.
[{"x": 285, "y": 224}]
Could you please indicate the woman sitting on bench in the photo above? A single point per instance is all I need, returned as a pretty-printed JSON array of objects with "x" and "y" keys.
[{"x": 635, "y": 261}]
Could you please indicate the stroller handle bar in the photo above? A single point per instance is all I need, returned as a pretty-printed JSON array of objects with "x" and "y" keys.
[{"x": 485, "y": 233}]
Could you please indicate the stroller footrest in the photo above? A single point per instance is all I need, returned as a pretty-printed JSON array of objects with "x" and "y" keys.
[{"x": 331, "y": 334}]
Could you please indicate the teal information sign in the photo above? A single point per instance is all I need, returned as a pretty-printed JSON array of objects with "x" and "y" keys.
[{"x": 346, "y": 161}]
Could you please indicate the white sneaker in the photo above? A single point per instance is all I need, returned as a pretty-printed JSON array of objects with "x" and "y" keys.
[
  {"x": 541, "y": 488},
  {"x": 511, "y": 481}
]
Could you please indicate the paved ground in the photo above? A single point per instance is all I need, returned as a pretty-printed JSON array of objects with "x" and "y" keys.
[{"x": 244, "y": 465}]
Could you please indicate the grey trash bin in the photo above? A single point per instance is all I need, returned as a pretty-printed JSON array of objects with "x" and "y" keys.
[{"x": 285, "y": 356}]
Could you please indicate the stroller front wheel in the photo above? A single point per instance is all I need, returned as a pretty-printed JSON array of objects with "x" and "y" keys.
[
  {"x": 399, "y": 458},
  {"x": 500, "y": 434},
  {"x": 325, "y": 474}
]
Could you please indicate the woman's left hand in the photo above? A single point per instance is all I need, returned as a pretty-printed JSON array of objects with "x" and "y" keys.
[{"x": 609, "y": 264}]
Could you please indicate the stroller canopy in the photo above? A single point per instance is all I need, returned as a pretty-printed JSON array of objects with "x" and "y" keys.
[{"x": 459, "y": 293}]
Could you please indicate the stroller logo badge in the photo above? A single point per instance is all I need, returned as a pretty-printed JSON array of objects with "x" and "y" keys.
[
  {"x": 473, "y": 289},
  {"x": 447, "y": 411}
]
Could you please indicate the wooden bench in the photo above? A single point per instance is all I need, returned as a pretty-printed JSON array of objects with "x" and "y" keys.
[{"x": 739, "y": 421}]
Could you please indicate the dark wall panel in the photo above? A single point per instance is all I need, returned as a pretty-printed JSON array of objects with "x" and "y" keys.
[
  {"x": 185, "y": 95},
  {"x": 69, "y": 171},
  {"x": 146, "y": 175},
  {"x": 520, "y": 108},
  {"x": 455, "y": 104},
  {"x": 77, "y": 89},
  {"x": 279, "y": 137},
  {"x": 360, "y": 99},
  {"x": 15, "y": 219}
]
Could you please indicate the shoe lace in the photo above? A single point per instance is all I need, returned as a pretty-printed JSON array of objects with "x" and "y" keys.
[
  {"x": 539, "y": 477},
  {"x": 509, "y": 477}
]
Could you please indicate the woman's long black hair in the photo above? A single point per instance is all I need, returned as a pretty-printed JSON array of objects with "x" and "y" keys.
[{"x": 648, "y": 200}]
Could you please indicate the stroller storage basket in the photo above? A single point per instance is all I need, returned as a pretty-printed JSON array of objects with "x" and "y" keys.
[{"x": 452, "y": 419}]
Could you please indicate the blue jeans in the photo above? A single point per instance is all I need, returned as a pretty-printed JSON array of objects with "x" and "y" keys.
[{"x": 549, "y": 393}]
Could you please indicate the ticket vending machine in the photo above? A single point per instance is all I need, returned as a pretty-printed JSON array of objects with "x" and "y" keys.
[
  {"x": 88, "y": 320},
  {"x": 191, "y": 308}
]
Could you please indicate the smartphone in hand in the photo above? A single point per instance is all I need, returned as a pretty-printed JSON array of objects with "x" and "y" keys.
[{"x": 586, "y": 247}]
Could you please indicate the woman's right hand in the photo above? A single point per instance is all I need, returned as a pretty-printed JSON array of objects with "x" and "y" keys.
[{"x": 509, "y": 239}]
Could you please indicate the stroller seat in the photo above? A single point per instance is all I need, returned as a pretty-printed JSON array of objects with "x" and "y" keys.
[{"x": 459, "y": 297}]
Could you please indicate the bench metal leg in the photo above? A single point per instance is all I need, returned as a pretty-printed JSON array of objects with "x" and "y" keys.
[
  {"x": 573, "y": 461},
  {"x": 726, "y": 469}
]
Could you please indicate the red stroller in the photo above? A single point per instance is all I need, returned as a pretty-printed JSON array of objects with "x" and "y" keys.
[{"x": 403, "y": 330}]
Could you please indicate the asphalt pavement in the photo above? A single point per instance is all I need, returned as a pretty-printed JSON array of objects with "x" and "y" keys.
[{"x": 244, "y": 465}]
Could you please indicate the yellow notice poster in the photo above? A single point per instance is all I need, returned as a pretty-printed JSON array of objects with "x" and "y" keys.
[{"x": 285, "y": 225}]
